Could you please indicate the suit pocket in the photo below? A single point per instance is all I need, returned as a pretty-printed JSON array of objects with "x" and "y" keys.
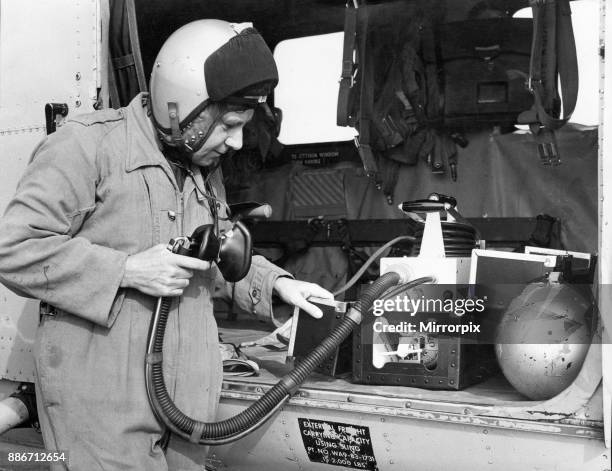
[{"x": 77, "y": 218}]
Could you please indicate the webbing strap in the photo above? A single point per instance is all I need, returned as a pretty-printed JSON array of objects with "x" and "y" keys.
[
  {"x": 135, "y": 43},
  {"x": 123, "y": 61},
  {"x": 366, "y": 101},
  {"x": 567, "y": 63},
  {"x": 113, "y": 90},
  {"x": 553, "y": 54},
  {"x": 348, "y": 67}
]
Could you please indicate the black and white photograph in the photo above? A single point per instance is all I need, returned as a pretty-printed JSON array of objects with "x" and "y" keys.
[{"x": 305, "y": 235}]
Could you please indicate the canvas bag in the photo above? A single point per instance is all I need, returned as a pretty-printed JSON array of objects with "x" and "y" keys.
[
  {"x": 484, "y": 67},
  {"x": 385, "y": 89}
]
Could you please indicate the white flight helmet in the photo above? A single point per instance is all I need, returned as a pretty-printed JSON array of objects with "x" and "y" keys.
[{"x": 203, "y": 62}]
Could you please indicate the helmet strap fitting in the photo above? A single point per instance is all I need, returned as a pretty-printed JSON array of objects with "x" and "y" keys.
[{"x": 177, "y": 137}]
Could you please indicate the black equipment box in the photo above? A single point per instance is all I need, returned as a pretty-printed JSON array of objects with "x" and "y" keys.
[
  {"x": 424, "y": 359},
  {"x": 308, "y": 332},
  {"x": 448, "y": 362}
]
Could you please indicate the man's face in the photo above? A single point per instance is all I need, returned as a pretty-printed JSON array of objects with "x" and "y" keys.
[{"x": 226, "y": 135}]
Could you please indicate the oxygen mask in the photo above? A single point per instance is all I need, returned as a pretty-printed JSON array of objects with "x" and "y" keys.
[{"x": 231, "y": 249}]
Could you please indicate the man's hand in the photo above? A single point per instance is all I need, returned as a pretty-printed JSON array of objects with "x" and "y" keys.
[
  {"x": 296, "y": 292},
  {"x": 159, "y": 272}
]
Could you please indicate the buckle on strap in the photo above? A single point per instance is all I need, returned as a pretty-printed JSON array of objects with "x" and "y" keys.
[
  {"x": 548, "y": 151},
  {"x": 46, "y": 310},
  {"x": 548, "y": 154},
  {"x": 367, "y": 158}
]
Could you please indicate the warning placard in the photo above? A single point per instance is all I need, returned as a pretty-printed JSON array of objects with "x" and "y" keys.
[{"x": 338, "y": 444}]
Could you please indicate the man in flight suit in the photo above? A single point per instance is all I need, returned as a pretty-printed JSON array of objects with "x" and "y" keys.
[{"x": 87, "y": 233}]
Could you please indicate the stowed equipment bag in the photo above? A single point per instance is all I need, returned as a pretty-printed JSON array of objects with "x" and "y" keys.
[
  {"x": 484, "y": 67},
  {"x": 386, "y": 93},
  {"x": 410, "y": 80}
]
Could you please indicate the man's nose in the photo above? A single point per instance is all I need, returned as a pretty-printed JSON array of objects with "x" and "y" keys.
[{"x": 234, "y": 139}]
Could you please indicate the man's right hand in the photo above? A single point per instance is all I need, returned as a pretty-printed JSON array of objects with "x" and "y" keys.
[{"x": 159, "y": 272}]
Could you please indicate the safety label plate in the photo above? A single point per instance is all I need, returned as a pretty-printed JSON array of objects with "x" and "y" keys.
[{"x": 338, "y": 444}]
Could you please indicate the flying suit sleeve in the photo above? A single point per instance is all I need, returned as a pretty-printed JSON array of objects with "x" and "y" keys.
[
  {"x": 41, "y": 253},
  {"x": 254, "y": 292}
]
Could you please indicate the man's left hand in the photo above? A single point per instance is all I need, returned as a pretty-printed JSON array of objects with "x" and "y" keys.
[{"x": 297, "y": 292}]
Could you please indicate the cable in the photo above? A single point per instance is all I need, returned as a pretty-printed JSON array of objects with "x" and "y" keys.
[
  {"x": 369, "y": 262},
  {"x": 205, "y": 193},
  {"x": 406, "y": 286}
]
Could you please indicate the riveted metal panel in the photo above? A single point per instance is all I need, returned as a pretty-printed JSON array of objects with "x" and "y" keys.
[
  {"x": 18, "y": 316},
  {"x": 605, "y": 214},
  {"x": 49, "y": 52},
  {"x": 403, "y": 443}
]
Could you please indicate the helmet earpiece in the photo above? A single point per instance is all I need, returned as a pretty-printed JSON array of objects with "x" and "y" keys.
[{"x": 194, "y": 134}]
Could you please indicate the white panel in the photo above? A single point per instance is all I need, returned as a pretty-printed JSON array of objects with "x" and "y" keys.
[
  {"x": 605, "y": 219},
  {"x": 14, "y": 156},
  {"x": 399, "y": 443},
  {"x": 18, "y": 316},
  {"x": 48, "y": 53},
  {"x": 18, "y": 321},
  {"x": 447, "y": 271}
]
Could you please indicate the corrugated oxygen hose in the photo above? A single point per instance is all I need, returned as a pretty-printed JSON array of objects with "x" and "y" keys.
[{"x": 234, "y": 428}]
